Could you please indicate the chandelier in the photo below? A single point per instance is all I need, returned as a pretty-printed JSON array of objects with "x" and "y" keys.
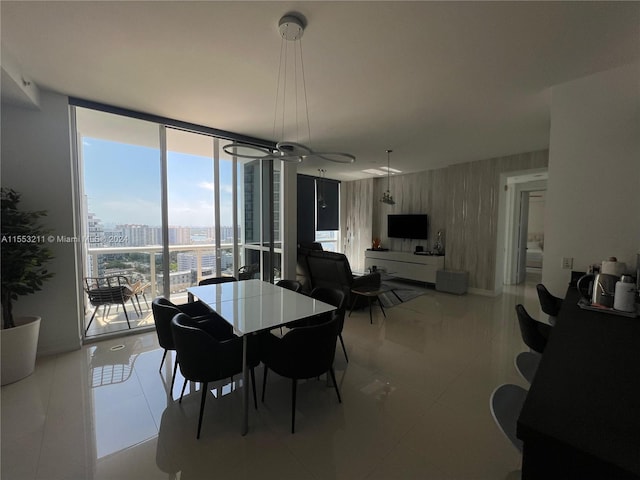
[
  {"x": 386, "y": 196},
  {"x": 291, "y": 28}
]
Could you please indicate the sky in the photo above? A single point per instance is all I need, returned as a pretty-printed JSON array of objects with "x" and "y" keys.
[{"x": 122, "y": 184}]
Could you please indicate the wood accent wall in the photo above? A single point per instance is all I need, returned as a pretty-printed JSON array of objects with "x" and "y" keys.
[
  {"x": 356, "y": 221},
  {"x": 461, "y": 201}
]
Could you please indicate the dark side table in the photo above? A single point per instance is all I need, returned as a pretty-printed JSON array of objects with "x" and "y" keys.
[{"x": 372, "y": 293}]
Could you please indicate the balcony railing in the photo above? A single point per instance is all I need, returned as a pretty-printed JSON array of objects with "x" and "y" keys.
[{"x": 153, "y": 250}]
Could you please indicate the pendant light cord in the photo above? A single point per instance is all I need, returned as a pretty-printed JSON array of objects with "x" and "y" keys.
[
  {"x": 304, "y": 87},
  {"x": 388, "y": 170},
  {"x": 275, "y": 108}
]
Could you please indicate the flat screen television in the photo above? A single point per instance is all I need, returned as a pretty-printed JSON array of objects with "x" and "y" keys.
[{"x": 414, "y": 226}]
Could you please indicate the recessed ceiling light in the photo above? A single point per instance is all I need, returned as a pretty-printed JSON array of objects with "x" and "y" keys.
[{"x": 374, "y": 171}]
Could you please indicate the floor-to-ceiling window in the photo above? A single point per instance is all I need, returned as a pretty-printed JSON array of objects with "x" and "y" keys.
[
  {"x": 119, "y": 176},
  {"x": 164, "y": 208}
]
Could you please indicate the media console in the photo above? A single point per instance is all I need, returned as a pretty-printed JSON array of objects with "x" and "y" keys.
[{"x": 421, "y": 268}]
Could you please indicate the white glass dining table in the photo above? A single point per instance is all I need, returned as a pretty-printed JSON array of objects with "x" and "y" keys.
[{"x": 253, "y": 306}]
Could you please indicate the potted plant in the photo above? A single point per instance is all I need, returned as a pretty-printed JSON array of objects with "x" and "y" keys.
[{"x": 24, "y": 254}]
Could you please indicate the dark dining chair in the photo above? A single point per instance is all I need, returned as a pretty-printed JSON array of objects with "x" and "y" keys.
[
  {"x": 204, "y": 358},
  {"x": 303, "y": 352},
  {"x": 338, "y": 299},
  {"x": 164, "y": 311},
  {"x": 293, "y": 285},
  {"x": 534, "y": 333},
  {"x": 549, "y": 303},
  {"x": 211, "y": 281}
]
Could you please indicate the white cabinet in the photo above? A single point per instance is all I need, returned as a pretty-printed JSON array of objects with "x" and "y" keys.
[{"x": 421, "y": 268}]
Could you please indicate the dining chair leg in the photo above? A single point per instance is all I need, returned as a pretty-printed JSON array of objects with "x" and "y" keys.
[
  {"x": 353, "y": 304},
  {"x": 264, "y": 382},
  {"x": 335, "y": 384},
  {"x": 202, "y": 401},
  {"x": 294, "y": 387},
  {"x": 175, "y": 369},
  {"x": 343, "y": 347},
  {"x": 253, "y": 387},
  {"x": 370, "y": 313},
  {"x": 164, "y": 355},
  {"x": 184, "y": 386}
]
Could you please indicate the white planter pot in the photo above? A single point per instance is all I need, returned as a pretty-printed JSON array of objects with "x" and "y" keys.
[{"x": 19, "y": 347}]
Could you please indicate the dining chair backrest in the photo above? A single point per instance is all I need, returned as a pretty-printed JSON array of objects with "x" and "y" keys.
[
  {"x": 203, "y": 358},
  {"x": 211, "y": 281},
  {"x": 534, "y": 333},
  {"x": 309, "y": 351},
  {"x": 549, "y": 303},
  {"x": 293, "y": 285},
  {"x": 335, "y": 297},
  {"x": 216, "y": 280},
  {"x": 163, "y": 312}
]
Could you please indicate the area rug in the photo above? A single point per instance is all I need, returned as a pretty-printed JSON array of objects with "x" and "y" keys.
[{"x": 405, "y": 290}]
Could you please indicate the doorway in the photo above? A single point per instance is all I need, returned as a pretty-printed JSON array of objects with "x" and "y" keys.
[{"x": 524, "y": 231}]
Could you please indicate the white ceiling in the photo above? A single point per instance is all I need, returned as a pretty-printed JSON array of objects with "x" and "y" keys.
[{"x": 437, "y": 82}]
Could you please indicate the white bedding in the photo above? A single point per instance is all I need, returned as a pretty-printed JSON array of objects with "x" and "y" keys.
[{"x": 534, "y": 255}]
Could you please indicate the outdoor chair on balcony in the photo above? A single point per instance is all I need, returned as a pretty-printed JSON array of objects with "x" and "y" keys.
[
  {"x": 139, "y": 289},
  {"x": 107, "y": 291},
  {"x": 247, "y": 272}
]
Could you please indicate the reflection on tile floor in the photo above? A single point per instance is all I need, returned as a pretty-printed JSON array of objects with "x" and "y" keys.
[
  {"x": 415, "y": 404},
  {"x": 112, "y": 319}
]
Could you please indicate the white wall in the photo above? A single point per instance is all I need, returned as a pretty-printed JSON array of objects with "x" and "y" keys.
[
  {"x": 36, "y": 161},
  {"x": 592, "y": 205}
]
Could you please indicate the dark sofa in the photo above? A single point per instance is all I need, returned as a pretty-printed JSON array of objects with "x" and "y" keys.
[{"x": 317, "y": 268}]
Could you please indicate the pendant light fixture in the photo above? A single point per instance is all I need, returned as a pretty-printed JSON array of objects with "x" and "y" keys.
[
  {"x": 321, "y": 201},
  {"x": 386, "y": 196},
  {"x": 291, "y": 28}
]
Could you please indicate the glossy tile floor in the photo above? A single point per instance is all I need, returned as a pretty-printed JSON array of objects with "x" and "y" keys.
[{"x": 415, "y": 404}]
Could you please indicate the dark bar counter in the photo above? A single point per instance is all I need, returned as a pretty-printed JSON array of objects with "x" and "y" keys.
[{"x": 581, "y": 419}]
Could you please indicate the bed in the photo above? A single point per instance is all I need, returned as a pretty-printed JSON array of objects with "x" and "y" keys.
[{"x": 535, "y": 252}]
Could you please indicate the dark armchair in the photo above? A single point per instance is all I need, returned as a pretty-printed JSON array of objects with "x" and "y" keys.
[{"x": 332, "y": 270}]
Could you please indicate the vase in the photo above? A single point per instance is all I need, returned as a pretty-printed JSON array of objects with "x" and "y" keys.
[{"x": 19, "y": 346}]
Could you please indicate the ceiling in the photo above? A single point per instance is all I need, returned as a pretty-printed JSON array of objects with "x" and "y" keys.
[{"x": 437, "y": 82}]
